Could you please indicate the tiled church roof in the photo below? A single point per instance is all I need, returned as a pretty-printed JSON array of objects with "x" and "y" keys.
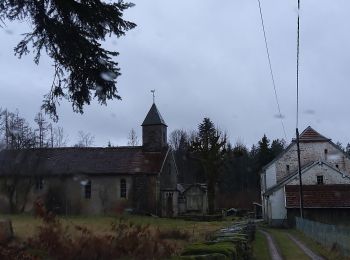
[{"x": 91, "y": 161}]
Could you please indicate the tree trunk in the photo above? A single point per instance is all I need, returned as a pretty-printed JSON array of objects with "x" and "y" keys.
[{"x": 211, "y": 196}]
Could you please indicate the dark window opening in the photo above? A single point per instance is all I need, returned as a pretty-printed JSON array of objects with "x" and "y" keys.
[
  {"x": 39, "y": 183},
  {"x": 169, "y": 169},
  {"x": 320, "y": 180},
  {"x": 325, "y": 151},
  {"x": 287, "y": 166},
  {"x": 337, "y": 166},
  {"x": 88, "y": 190},
  {"x": 123, "y": 188}
]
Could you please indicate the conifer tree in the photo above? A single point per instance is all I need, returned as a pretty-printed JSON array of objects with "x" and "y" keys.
[
  {"x": 70, "y": 32},
  {"x": 210, "y": 147}
]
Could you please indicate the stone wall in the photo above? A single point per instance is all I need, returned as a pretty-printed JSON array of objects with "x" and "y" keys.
[
  {"x": 68, "y": 194},
  {"x": 154, "y": 137},
  {"x": 330, "y": 176},
  {"x": 310, "y": 152}
]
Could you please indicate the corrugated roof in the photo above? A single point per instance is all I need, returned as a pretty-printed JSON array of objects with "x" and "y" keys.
[
  {"x": 153, "y": 117},
  {"x": 91, "y": 161},
  {"x": 311, "y": 135},
  {"x": 319, "y": 196}
]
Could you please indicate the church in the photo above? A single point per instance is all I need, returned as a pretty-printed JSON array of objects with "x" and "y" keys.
[{"x": 94, "y": 180}]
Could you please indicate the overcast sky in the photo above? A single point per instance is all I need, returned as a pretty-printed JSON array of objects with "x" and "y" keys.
[{"x": 207, "y": 59}]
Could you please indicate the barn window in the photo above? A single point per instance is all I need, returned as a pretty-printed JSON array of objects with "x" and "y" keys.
[
  {"x": 123, "y": 188},
  {"x": 325, "y": 151},
  {"x": 88, "y": 190},
  {"x": 39, "y": 183},
  {"x": 287, "y": 167},
  {"x": 320, "y": 180}
]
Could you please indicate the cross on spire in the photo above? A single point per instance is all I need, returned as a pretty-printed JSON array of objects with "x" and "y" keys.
[{"x": 153, "y": 91}]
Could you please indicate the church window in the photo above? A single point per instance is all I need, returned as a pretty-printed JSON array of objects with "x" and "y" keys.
[
  {"x": 123, "y": 188},
  {"x": 320, "y": 179},
  {"x": 39, "y": 183},
  {"x": 87, "y": 190}
]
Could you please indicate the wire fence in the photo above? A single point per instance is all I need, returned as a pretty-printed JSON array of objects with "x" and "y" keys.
[{"x": 329, "y": 235}]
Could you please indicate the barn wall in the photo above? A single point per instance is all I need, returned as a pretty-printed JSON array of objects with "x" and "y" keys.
[
  {"x": 330, "y": 176},
  {"x": 310, "y": 152}
]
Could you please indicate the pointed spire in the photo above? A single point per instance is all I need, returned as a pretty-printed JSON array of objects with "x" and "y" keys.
[{"x": 153, "y": 117}]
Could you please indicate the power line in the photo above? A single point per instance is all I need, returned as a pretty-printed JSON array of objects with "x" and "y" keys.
[{"x": 271, "y": 72}]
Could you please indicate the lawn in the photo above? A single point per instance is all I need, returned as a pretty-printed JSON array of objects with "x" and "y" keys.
[
  {"x": 25, "y": 225},
  {"x": 260, "y": 247},
  {"x": 289, "y": 250}
]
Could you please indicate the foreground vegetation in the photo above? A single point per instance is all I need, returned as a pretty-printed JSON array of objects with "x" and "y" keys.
[
  {"x": 96, "y": 237},
  {"x": 26, "y": 225},
  {"x": 260, "y": 247}
]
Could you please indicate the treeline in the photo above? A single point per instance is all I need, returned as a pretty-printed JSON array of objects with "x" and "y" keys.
[
  {"x": 17, "y": 133},
  {"x": 235, "y": 166}
]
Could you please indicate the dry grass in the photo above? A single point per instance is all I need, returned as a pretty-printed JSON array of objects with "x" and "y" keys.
[{"x": 25, "y": 226}]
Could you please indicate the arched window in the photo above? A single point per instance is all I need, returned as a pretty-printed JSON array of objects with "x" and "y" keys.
[
  {"x": 123, "y": 188},
  {"x": 88, "y": 190}
]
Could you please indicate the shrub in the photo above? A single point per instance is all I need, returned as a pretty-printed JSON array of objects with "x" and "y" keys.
[
  {"x": 125, "y": 240},
  {"x": 226, "y": 248}
]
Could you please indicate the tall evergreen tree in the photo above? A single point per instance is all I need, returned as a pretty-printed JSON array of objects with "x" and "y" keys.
[
  {"x": 71, "y": 33},
  {"x": 277, "y": 146},
  {"x": 210, "y": 147},
  {"x": 264, "y": 152}
]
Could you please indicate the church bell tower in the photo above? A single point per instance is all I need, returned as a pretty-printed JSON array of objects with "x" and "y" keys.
[{"x": 154, "y": 131}]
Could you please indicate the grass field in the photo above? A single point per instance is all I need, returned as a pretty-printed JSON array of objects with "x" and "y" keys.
[{"x": 25, "y": 225}]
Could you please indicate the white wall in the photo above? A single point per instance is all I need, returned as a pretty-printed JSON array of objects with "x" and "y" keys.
[{"x": 270, "y": 174}]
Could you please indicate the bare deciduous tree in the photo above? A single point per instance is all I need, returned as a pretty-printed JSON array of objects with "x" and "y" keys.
[
  {"x": 133, "y": 139},
  {"x": 178, "y": 139},
  {"x": 43, "y": 128},
  {"x": 85, "y": 139},
  {"x": 59, "y": 138}
]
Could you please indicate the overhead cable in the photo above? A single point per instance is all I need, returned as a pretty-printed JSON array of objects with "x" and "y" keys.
[{"x": 271, "y": 71}]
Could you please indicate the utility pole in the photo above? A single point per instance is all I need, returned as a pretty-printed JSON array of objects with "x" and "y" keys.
[{"x": 300, "y": 180}]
